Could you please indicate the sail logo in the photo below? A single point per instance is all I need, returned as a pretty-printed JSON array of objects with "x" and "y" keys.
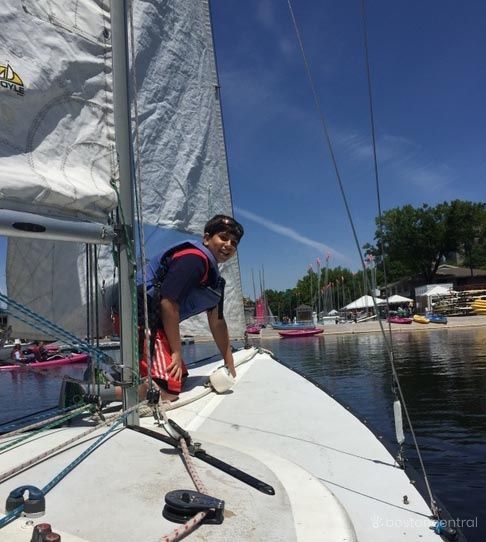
[{"x": 10, "y": 80}]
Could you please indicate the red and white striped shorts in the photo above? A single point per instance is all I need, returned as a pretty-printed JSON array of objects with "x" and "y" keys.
[{"x": 161, "y": 359}]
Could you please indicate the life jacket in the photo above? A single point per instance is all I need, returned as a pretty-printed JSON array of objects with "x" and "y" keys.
[{"x": 200, "y": 298}]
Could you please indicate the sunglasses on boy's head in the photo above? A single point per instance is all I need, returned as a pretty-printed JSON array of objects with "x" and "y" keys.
[
  {"x": 233, "y": 225},
  {"x": 229, "y": 225}
]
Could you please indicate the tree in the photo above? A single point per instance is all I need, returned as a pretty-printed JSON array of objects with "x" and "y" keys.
[
  {"x": 281, "y": 303},
  {"x": 414, "y": 240},
  {"x": 467, "y": 230}
]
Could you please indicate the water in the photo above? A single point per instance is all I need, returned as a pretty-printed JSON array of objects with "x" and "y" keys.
[{"x": 443, "y": 377}]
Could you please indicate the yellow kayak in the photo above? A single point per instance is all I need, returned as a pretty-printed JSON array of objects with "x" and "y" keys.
[
  {"x": 479, "y": 306},
  {"x": 420, "y": 319}
]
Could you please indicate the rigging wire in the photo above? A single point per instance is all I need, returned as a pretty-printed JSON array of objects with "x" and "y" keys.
[
  {"x": 396, "y": 380},
  {"x": 317, "y": 102}
]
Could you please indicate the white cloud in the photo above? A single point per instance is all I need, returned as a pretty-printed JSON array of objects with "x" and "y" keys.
[{"x": 285, "y": 231}]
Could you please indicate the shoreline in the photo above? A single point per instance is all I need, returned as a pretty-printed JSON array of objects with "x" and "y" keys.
[{"x": 453, "y": 322}]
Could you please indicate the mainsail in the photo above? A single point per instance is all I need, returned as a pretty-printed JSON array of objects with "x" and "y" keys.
[
  {"x": 57, "y": 151},
  {"x": 182, "y": 152}
]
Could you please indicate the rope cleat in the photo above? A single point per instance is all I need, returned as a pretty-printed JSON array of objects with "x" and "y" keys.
[
  {"x": 182, "y": 505},
  {"x": 34, "y": 505},
  {"x": 176, "y": 432},
  {"x": 153, "y": 396}
]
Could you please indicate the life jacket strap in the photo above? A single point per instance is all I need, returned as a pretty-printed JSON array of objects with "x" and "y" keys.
[{"x": 195, "y": 252}]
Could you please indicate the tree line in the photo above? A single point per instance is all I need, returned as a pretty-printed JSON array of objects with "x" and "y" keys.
[{"x": 409, "y": 242}]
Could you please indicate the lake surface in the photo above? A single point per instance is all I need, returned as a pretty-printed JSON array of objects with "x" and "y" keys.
[{"x": 443, "y": 377}]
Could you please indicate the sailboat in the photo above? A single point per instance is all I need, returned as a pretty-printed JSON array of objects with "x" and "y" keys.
[{"x": 275, "y": 457}]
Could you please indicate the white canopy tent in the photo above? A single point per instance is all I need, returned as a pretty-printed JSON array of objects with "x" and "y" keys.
[
  {"x": 438, "y": 290},
  {"x": 364, "y": 302},
  {"x": 394, "y": 299}
]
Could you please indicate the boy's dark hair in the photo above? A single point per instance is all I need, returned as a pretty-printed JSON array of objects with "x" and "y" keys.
[{"x": 224, "y": 223}]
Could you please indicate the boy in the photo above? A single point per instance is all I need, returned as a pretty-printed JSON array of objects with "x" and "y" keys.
[{"x": 181, "y": 282}]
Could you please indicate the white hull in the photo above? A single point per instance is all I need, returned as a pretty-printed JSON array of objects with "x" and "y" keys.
[{"x": 333, "y": 478}]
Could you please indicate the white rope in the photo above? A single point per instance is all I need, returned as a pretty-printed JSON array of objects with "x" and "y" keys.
[
  {"x": 41, "y": 423},
  {"x": 180, "y": 532}
]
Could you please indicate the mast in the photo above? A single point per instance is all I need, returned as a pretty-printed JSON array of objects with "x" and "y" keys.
[{"x": 128, "y": 340}]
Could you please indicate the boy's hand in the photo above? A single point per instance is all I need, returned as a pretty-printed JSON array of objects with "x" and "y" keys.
[{"x": 175, "y": 368}]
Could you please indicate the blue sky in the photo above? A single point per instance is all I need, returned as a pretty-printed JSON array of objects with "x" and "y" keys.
[{"x": 429, "y": 82}]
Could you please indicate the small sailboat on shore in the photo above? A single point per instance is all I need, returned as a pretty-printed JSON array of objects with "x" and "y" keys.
[
  {"x": 292, "y": 326},
  {"x": 261, "y": 466},
  {"x": 300, "y": 333}
]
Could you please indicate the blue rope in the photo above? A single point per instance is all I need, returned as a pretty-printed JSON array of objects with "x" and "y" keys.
[
  {"x": 6, "y": 427},
  {"x": 13, "y": 514}
]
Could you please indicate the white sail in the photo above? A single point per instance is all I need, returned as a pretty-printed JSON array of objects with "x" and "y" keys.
[
  {"x": 55, "y": 288},
  {"x": 60, "y": 160},
  {"x": 183, "y": 159},
  {"x": 57, "y": 146},
  {"x": 57, "y": 150}
]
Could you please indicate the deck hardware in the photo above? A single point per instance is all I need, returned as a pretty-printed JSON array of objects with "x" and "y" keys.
[
  {"x": 405, "y": 500},
  {"x": 176, "y": 431},
  {"x": 153, "y": 396},
  {"x": 234, "y": 472},
  {"x": 52, "y": 537},
  {"x": 41, "y": 530},
  {"x": 92, "y": 399},
  {"x": 183, "y": 504},
  {"x": 197, "y": 451},
  {"x": 34, "y": 505},
  {"x": 442, "y": 529}
]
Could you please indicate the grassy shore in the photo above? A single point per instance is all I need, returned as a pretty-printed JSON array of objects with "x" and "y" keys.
[{"x": 454, "y": 322}]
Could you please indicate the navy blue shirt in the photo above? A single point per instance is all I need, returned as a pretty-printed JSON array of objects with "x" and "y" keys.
[{"x": 183, "y": 274}]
